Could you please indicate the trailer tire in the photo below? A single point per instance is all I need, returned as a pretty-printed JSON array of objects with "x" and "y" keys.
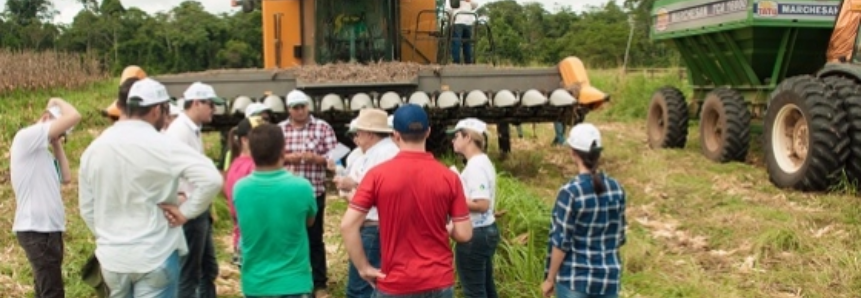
[
  {"x": 802, "y": 106},
  {"x": 848, "y": 92},
  {"x": 724, "y": 126},
  {"x": 667, "y": 121}
]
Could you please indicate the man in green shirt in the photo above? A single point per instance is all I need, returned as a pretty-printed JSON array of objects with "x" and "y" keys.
[{"x": 274, "y": 209}]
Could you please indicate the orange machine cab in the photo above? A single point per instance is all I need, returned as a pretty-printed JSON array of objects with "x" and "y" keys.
[{"x": 282, "y": 33}]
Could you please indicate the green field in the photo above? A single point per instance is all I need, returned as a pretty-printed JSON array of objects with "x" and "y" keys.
[{"x": 696, "y": 228}]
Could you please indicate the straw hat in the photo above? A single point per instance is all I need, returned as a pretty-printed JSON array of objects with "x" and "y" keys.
[{"x": 373, "y": 120}]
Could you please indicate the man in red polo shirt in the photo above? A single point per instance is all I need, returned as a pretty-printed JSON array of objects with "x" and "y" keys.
[{"x": 414, "y": 238}]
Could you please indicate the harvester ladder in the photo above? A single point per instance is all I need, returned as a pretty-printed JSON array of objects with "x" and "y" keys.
[{"x": 433, "y": 35}]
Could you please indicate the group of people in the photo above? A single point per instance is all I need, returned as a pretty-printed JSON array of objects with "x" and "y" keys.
[{"x": 145, "y": 190}]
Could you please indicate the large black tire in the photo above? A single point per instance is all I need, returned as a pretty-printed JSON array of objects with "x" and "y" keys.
[
  {"x": 849, "y": 93},
  {"x": 724, "y": 126},
  {"x": 667, "y": 122},
  {"x": 812, "y": 158}
]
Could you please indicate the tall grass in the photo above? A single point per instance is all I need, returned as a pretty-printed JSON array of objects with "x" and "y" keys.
[
  {"x": 31, "y": 70},
  {"x": 630, "y": 94}
]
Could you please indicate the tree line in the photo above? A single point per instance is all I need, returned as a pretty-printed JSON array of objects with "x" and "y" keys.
[{"x": 187, "y": 38}]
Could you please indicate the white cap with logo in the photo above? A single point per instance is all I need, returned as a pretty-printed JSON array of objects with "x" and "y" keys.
[
  {"x": 201, "y": 91},
  {"x": 150, "y": 91},
  {"x": 255, "y": 108},
  {"x": 583, "y": 135},
  {"x": 297, "y": 97},
  {"x": 471, "y": 124}
]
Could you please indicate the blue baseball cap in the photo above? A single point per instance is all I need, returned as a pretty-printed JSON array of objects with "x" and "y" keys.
[{"x": 410, "y": 118}]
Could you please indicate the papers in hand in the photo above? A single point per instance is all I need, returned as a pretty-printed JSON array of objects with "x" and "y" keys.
[{"x": 338, "y": 153}]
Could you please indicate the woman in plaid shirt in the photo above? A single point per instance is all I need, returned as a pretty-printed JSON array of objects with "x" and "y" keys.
[{"x": 587, "y": 227}]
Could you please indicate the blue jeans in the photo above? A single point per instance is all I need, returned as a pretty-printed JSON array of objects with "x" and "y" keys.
[
  {"x": 562, "y": 291},
  {"x": 356, "y": 286},
  {"x": 461, "y": 31},
  {"x": 283, "y": 296},
  {"x": 559, "y": 128},
  {"x": 444, "y": 293},
  {"x": 163, "y": 282},
  {"x": 199, "y": 268},
  {"x": 474, "y": 261}
]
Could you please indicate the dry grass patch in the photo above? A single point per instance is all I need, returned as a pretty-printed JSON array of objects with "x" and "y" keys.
[{"x": 29, "y": 70}]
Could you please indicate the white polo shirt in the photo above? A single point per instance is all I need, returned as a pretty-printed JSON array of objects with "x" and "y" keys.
[
  {"x": 124, "y": 174},
  {"x": 382, "y": 151},
  {"x": 187, "y": 132},
  {"x": 479, "y": 182},
  {"x": 36, "y": 182}
]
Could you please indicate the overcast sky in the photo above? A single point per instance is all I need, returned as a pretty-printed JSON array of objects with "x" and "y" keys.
[{"x": 69, "y": 8}]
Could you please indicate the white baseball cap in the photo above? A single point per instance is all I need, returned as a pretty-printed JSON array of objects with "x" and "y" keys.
[
  {"x": 583, "y": 135},
  {"x": 471, "y": 124},
  {"x": 201, "y": 91},
  {"x": 297, "y": 97},
  {"x": 150, "y": 91},
  {"x": 354, "y": 125},
  {"x": 255, "y": 108}
]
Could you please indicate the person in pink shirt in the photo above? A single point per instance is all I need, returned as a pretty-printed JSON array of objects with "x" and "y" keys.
[{"x": 241, "y": 165}]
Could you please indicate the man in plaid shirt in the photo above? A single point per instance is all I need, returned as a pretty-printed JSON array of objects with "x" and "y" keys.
[
  {"x": 587, "y": 227},
  {"x": 306, "y": 141}
]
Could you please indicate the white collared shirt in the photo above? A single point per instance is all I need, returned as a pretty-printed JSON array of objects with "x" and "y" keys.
[
  {"x": 124, "y": 174},
  {"x": 382, "y": 151},
  {"x": 187, "y": 132}
]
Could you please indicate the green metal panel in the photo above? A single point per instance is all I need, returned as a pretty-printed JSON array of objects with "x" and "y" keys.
[{"x": 678, "y": 18}]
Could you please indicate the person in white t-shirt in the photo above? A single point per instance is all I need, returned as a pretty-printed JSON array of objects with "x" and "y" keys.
[
  {"x": 200, "y": 269},
  {"x": 463, "y": 21},
  {"x": 372, "y": 131},
  {"x": 474, "y": 259},
  {"x": 40, "y": 218}
]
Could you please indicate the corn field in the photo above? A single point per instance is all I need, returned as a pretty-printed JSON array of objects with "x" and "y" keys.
[{"x": 30, "y": 70}]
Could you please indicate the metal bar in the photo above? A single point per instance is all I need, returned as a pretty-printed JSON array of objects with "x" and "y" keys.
[
  {"x": 694, "y": 71},
  {"x": 729, "y": 66},
  {"x": 790, "y": 48},
  {"x": 231, "y": 84},
  {"x": 716, "y": 73},
  {"x": 739, "y": 57},
  {"x": 701, "y": 59},
  {"x": 778, "y": 63}
]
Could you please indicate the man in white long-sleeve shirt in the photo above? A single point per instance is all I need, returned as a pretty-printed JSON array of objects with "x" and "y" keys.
[
  {"x": 200, "y": 268},
  {"x": 128, "y": 196}
]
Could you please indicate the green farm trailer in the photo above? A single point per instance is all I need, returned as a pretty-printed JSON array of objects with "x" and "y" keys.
[{"x": 790, "y": 63}]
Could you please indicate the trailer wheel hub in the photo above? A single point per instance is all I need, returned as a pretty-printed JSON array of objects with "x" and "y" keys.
[{"x": 790, "y": 138}]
